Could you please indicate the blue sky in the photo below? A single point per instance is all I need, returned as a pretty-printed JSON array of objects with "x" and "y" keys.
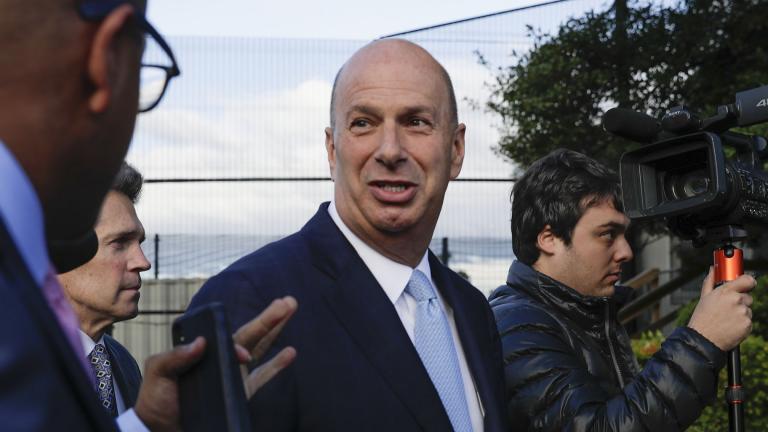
[
  {"x": 327, "y": 19},
  {"x": 253, "y": 101}
]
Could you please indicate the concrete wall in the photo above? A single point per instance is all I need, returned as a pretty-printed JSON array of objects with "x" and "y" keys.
[{"x": 660, "y": 253}]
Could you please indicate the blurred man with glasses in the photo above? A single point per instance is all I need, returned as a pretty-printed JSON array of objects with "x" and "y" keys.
[{"x": 69, "y": 95}]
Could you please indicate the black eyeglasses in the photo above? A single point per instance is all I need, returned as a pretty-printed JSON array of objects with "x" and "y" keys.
[{"x": 154, "y": 77}]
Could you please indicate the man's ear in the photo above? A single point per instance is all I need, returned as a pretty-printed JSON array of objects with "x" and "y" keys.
[
  {"x": 547, "y": 241},
  {"x": 330, "y": 148},
  {"x": 457, "y": 150},
  {"x": 103, "y": 67}
]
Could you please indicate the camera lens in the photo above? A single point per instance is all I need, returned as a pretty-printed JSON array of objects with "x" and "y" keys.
[
  {"x": 695, "y": 183},
  {"x": 688, "y": 184}
]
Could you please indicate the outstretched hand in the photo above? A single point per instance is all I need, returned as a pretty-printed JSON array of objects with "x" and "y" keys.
[
  {"x": 255, "y": 338},
  {"x": 158, "y": 402}
]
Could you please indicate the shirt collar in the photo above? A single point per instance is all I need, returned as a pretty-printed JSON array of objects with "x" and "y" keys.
[
  {"x": 22, "y": 214},
  {"x": 88, "y": 343},
  {"x": 391, "y": 275}
]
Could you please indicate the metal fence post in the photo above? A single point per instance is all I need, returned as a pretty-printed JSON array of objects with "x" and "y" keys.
[
  {"x": 157, "y": 255},
  {"x": 446, "y": 254}
]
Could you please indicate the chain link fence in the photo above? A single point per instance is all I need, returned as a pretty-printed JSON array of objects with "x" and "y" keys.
[{"x": 234, "y": 157}]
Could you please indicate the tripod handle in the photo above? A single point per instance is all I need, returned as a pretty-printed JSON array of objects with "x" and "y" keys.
[{"x": 729, "y": 265}]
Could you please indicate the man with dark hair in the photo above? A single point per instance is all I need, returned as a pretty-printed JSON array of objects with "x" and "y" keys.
[
  {"x": 69, "y": 94},
  {"x": 568, "y": 361},
  {"x": 105, "y": 290},
  {"x": 389, "y": 339},
  {"x": 128, "y": 182}
]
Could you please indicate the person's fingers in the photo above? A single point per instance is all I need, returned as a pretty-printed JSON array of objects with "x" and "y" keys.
[
  {"x": 174, "y": 362},
  {"x": 264, "y": 344},
  {"x": 709, "y": 282},
  {"x": 261, "y": 375},
  {"x": 747, "y": 300},
  {"x": 256, "y": 337},
  {"x": 742, "y": 284},
  {"x": 243, "y": 356},
  {"x": 251, "y": 333}
]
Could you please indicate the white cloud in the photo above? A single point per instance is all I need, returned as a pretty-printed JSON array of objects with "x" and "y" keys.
[{"x": 279, "y": 133}]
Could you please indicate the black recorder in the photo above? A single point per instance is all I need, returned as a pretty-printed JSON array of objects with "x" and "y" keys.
[
  {"x": 684, "y": 174},
  {"x": 211, "y": 393},
  {"x": 706, "y": 181}
]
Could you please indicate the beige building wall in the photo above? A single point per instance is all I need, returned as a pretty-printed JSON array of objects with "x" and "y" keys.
[{"x": 161, "y": 302}]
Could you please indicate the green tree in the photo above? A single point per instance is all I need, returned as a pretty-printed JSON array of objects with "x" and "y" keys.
[
  {"x": 696, "y": 52},
  {"x": 649, "y": 58}
]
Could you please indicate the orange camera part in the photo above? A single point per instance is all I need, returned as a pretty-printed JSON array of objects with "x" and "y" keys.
[{"x": 729, "y": 264}]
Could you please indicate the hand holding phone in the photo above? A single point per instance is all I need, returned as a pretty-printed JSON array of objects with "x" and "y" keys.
[
  {"x": 157, "y": 405},
  {"x": 211, "y": 393}
]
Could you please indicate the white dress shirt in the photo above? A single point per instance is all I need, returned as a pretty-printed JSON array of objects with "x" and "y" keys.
[
  {"x": 22, "y": 214},
  {"x": 393, "y": 278},
  {"x": 88, "y": 346}
]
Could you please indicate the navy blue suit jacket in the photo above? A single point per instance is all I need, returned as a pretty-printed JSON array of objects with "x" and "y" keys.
[
  {"x": 125, "y": 370},
  {"x": 357, "y": 369},
  {"x": 43, "y": 386}
]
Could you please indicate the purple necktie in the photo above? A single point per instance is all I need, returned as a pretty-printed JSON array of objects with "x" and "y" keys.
[
  {"x": 66, "y": 316},
  {"x": 102, "y": 370}
]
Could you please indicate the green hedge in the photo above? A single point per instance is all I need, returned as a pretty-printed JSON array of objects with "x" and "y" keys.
[{"x": 754, "y": 364}]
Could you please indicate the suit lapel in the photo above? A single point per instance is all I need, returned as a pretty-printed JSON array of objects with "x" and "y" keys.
[
  {"x": 123, "y": 370},
  {"x": 472, "y": 327},
  {"x": 366, "y": 313},
  {"x": 31, "y": 296}
]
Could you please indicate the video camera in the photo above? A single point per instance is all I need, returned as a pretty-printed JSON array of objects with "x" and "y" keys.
[{"x": 684, "y": 172}]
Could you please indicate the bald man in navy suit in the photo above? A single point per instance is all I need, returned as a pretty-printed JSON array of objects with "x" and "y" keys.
[{"x": 388, "y": 338}]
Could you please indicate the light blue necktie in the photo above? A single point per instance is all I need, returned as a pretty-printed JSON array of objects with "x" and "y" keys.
[{"x": 434, "y": 343}]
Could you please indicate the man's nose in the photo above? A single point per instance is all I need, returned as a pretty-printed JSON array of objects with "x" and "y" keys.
[
  {"x": 624, "y": 250},
  {"x": 139, "y": 261},
  {"x": 390, "y": 151}
]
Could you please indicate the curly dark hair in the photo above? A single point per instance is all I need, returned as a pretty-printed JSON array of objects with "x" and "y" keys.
[{"x": 556, "y": 190}]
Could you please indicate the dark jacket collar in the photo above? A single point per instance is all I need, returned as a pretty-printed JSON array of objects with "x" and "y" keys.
[{"x": 585, "y": 310}]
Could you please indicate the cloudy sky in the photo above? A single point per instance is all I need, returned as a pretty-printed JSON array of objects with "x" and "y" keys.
[
  {"x": 327, "y": 19},
  {"x": 253, "y": 101}
]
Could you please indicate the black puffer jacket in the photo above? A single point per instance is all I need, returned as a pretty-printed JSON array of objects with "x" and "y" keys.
[{"x": 569, "y": 366}]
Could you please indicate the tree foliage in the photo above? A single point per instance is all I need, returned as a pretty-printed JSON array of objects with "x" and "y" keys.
[{"x": 649, "y": 58}]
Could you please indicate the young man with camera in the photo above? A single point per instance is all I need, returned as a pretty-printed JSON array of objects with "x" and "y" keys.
[{"x": 568, "y": 361}]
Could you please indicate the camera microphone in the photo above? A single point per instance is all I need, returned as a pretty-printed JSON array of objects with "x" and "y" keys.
[
  {"x": 631, "y": 125},
  {"x": 752, "y": 106}
]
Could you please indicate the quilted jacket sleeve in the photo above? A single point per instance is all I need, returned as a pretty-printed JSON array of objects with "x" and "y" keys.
[{"x": 550, "y": 388}]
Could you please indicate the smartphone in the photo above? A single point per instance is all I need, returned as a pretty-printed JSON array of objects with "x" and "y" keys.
[{"x": 211, "y": 393}]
